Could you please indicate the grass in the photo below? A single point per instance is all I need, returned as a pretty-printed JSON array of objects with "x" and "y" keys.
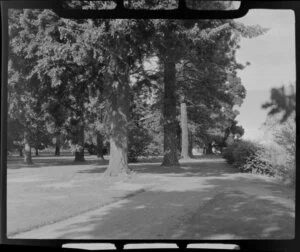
[{"x": 56, "y": 188}]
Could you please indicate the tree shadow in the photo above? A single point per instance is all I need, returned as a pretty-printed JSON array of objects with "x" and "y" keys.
[
  {"x": 46, "y": 161},
  {"x": 199, "y": 167},
  {"x": 219, "y": 205},
  {"x": 235, "y": 215},
  {"x": 195, "y": 167},
  {"x": 191, "y": 168},
  {"x": 98, "y": 169},
  {"x": 228, "y": 215}
]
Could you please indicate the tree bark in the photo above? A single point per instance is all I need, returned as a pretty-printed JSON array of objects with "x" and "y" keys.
[
  {"x": 184, "y": 132},
  {"x": 118, "y": 120},
  {"x": 209, "y": 149},
  {"x": 169, "y": 113},
  {"x": 21, "y": 151},
  {"x": 79, "y": 150},
  {"x": 100, "y": 146},
  {"x": 118, "y": 161},
  {"x": 57, "y": 145},
  {"x": 27, "y": 150},
  {"x": 191, "y": 145}
]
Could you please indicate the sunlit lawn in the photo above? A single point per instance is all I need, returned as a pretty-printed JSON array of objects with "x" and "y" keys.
[{"x": 55, "y": 188}]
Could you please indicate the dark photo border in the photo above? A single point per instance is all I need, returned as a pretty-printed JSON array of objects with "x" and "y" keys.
[{"x": 120, "y": 12}]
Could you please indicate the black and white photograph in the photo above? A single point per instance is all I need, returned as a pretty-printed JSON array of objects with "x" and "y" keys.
[{"x": 151, "y": 128}]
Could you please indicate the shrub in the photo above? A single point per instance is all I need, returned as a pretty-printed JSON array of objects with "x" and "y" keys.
[
  {"x": 281, "y": 151},
  {"x": 91, "y": 148},
  {"x": 240, "y": 152},
  {"x": 138, "y": 140},
  {"x": 244, "y": 152},
  {"x": 228, "y": 152},
  {"x": 257, "y": 164},
  {"x": 273, "y": 160}
]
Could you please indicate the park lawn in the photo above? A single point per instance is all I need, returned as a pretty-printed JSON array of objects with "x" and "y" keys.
[
  {"x": 205, "y": 190},
  {"x": 53, "y": 189}
]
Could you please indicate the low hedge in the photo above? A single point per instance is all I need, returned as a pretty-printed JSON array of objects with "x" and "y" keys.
[{"x": 240, "y": 152}]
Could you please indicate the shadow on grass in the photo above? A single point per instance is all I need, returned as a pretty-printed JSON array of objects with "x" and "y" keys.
[
  {"x": 235, "y": 215},
  {"x": 229, "y": 215},
  {"x": 199, "y": 167},
  {"x": 98, "y": 169},
  {"x": 204, "y": 167},
  {"x": 227, "y": 205},
  {"x": 46, "y": 161}
]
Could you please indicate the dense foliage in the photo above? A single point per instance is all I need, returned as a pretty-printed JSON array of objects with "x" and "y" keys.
[
  {"x": 239, "y": 152},
  {"x": 274, "y": 158},
  {"x": 86, "y": 82},
  {"x": 282, "y": 100}
]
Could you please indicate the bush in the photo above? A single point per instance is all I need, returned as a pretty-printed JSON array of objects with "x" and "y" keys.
[
  {"x": 275, "y": 159},
  {"x": 138, "y": 140},
  {"x": 240, "y": 152},
  {"x": 228, "y": 152},
  {"x": 256, "y": 164},
  {"x": 244, "y": 152},
  {"x": 91, "y": 148},
  {"x": 281, "y": 151}
]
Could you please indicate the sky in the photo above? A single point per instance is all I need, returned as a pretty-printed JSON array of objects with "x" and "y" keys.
[{"x": 272, "y": 58}]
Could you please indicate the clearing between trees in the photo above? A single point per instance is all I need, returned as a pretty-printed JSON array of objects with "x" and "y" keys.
[{"x": 200, "y": 199}]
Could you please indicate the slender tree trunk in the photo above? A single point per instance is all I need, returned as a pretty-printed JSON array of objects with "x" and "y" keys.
[
  {"x": 79, "y": 151},
  {"x": 36, "y": 151},
  {"x": 191, "y": 145},
  {"x": 209, "y": 149},
  {"x": 169, "y": 112},
  {"x": 27, "y": 150},
  {"x": 100, "y": 146},
  {"x": 57, "y": 145},
  {"x": 204, "y": 150},
  {"x": 184, "y": 132},
  {"x": 118, "y": 121},
  {"x": 21, "y": 151}
]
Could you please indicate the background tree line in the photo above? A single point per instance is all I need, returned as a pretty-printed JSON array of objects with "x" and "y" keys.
[{"x": 87, "y": 83}]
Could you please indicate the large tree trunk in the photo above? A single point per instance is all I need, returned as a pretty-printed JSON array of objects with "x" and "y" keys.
[
  {"x": 184, "y": 132},
  {"x": 118, "y": 120},
  {"x": 57, "y": 145},
  {"x": 118, "y": 161},
  {"x": 27, "y": 150},
  {"x": 99, "y": 148},
  {"x": 169, "y": 113}
]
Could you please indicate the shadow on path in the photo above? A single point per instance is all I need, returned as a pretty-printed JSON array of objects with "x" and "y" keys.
[
  {"x": 200, "y": 199},
  {"x": 229, "y": 215},
  {"x": 223, "y": 206},
  {"x": 235, "y": 215}
]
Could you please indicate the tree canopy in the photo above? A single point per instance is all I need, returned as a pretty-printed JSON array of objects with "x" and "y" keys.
[{"x": 88, "y": 80}]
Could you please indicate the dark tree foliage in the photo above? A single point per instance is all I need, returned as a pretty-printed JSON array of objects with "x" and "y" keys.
[
  {"x": 282, "y": 101},
  {"x": 87, "y": 81}
]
